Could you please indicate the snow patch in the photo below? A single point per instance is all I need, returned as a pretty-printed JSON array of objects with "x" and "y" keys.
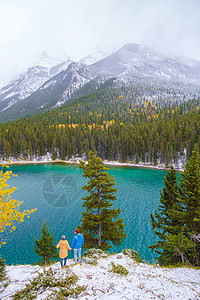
[
  {"x": 143, "y": 281},
  {"x": 179, "y": 166}
]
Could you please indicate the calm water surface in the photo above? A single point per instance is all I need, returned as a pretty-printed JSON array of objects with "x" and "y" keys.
[{"x": 138, "y": 196}]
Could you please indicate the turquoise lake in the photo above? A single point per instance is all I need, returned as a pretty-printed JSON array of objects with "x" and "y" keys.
[{"x": 56, "y": 191}]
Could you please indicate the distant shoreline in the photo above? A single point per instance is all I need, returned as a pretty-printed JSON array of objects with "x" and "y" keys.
[{"x": 76, "y": 161}]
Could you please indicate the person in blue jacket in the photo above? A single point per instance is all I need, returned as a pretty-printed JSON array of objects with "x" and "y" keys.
[{"x": 77, "y": 243}]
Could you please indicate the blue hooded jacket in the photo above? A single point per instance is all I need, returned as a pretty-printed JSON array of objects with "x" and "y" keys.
[{"x": 77, "y": 241}]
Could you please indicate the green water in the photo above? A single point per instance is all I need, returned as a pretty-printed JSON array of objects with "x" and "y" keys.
[{"x": 137, "y": 196}]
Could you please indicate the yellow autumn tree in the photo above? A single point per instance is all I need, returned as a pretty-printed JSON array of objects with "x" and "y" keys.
[{"x": 9, "y": 208}]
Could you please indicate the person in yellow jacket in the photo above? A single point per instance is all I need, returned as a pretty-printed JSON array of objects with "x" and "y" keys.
[{"x": 63, "y": 252}]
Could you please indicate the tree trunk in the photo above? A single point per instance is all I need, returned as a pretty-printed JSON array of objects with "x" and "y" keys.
[
  {"x": 182, "y": 257},
  {"x": 99, "y": 214}
]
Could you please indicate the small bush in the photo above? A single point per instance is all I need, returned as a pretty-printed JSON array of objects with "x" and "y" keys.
[
  {"x": 119, "y": 269},
  {"x": 64, "y": 293},
  {"x": 133, "y": 254},
  {"x": 95, "y": 253},
  {"x": 49, "y": 279},
  {"x": 89, "y": 260}
]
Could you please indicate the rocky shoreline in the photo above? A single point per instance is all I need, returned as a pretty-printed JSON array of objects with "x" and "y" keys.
[{"x": 75, "y": 160}]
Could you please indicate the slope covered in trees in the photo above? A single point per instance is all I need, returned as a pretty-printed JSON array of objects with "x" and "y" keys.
[
  {"x": 117, "y": 124},
  {"x": 176, "y": 222}
]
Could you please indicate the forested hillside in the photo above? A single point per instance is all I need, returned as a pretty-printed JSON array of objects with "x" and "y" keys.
[{"x": 117, "y": 124}]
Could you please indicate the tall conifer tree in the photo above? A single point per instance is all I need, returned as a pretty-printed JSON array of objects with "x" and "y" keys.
[
  {"x": 190, "y": 199},
  {"x": 190, "y": 185},
  {"x": 164, "y": 221},
  {"x": 177, "y": 220},
  {"x": 100, "y": 222},
  {"x": 45, "y": 246}
]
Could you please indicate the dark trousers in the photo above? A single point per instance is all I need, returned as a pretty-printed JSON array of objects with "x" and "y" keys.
[{"x": 61, "y": 261}]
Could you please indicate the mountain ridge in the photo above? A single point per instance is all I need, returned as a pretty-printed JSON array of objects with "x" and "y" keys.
[
  {"x": 133, "y": 60},
  {"x": 31, "y": 92}
]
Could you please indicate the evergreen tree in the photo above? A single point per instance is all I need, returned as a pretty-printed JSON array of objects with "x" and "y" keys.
[
  {"x": 2, "y": 269},
  {"x": 102, "y": 122},
  {"x": 100, "y": 223},
  {"x": 45, "y": 246},
  {"x": 179, "y": 246},
  {"x": 164, "y": 221},
  {"x": 190, "y": 200},
  {"x": 54, "y": 149},
  {"x": 177, "y": 220}
]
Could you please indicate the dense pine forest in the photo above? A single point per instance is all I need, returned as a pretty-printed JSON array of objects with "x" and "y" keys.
[{"x": 116, "y": 124}]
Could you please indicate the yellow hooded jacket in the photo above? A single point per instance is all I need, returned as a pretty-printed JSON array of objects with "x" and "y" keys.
[{"x": 64, "y": 246}]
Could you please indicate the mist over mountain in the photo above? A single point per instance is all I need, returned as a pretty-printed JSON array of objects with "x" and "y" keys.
[
  {"x": 53, "y": 82},
  {"x": 133, "y": 60}
]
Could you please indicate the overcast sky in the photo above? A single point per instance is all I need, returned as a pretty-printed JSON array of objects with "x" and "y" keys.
[{"x": 79, "y": 27}]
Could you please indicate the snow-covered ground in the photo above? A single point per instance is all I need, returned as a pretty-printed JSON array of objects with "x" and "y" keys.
[
  {"x": 142, "y": 282},
  {"x": 75, "y": 160}
]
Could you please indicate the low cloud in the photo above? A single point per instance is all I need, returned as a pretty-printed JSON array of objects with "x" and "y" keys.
[{"x": 78, "y": 28}]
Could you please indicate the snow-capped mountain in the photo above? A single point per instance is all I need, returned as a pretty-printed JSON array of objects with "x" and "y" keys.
[
  {"x": 54, "y": 64},
  {"x": 66, "y": 82},
  {"x": 25, "y": 84},
  {"x": 133, "y": 61},
  {"x": 52, "y": 82},
  {"x": 47, "y": 61},
  {"x": 29, "y": 81},
  {"x": 98, "y": 55},
  {"x": 53, "y": 93}
]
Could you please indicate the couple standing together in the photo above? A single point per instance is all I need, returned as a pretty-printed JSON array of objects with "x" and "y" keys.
[{"x": 77, "y": 243}]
